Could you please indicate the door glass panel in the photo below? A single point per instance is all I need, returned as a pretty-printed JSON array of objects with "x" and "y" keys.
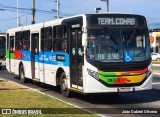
[
  {"x": 76, "y": 57},
  {"x": 79, "y": 57},
  {"x": 34, "y": 51},
  {"x": 73, "y": 58},
  {"x": 11, "y": 44},
  {"x": 73, "y": 44}
]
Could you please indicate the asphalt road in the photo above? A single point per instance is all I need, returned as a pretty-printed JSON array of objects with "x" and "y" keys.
[{"x": 105, "y": 104}]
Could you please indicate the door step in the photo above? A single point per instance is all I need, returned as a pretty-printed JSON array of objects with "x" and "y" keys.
[
  {"x": 35, "y": 79},
  {"x": 77, "y": 90}
]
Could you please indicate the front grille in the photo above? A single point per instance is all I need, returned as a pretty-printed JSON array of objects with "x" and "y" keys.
[{"x": 122, "y": 68}]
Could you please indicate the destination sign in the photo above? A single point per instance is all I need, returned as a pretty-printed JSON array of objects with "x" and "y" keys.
[{"x": 116, "y": 21}]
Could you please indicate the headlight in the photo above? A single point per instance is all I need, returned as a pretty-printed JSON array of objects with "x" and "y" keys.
[{"x": 93, "y": 74}]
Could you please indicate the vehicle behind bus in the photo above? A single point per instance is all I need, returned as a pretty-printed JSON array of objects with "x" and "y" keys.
[{"x": 2, "y": 50}]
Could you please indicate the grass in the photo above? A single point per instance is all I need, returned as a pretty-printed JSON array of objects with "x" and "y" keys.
[{"x": 15, "y": 96}]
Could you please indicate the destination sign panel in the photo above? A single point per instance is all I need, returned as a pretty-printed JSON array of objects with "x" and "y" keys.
[{"x": 116, "y": 20}]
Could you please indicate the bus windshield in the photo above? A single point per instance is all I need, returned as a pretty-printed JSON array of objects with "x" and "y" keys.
[
  {"x": 118, "y": 45},
  {"x": 2, "y": 45}
]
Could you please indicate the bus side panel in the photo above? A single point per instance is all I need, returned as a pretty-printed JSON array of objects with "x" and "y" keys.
[
  {"x": 12, "y": 62},
  {"x": 26, "y": 61},
  {"x": 17, "y": 59},
  {"x": 36, "y": 67},
  {"x": 41, "y": 72},
  {"x": 27, "y": 69},
  {"x": 16, "y": 65},
  {"x": 49, "y": 64},
  {"x": 47, "y": 69},
  {"x": 7, "y": 59}
]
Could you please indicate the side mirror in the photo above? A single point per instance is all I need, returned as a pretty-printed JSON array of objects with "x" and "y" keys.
[{"x": 84, "y": 39}]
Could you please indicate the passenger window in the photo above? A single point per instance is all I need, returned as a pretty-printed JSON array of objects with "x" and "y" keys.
[
  {"x": 26, "y": 40},
  {"x": 59, "y": 38},
  {"x": 18, "y": 41},
  {"x": 46, "y": 39}
]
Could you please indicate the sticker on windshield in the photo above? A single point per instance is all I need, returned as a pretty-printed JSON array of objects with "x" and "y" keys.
[
  {"x": 128, "y": 57},
  {"x": 80, "y": 52},
  {"x": 73, "y": 51},
  {"x": 139, "y": 41},
  {"x": 101, "y": 56},
  {"x": 112, "y": 56}
]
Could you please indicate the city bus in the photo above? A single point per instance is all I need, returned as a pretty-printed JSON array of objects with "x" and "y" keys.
[
  {"x": 2, "y": 50},
  {"x": 87, "y": 53}
]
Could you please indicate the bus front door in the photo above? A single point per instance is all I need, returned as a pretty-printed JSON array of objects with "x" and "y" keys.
[
  {"x": 11, "y": 54},
  {"x": 76, "y": 59},
  {"x": 35, "y": 56}
]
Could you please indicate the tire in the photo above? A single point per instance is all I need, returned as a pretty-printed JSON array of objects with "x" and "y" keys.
[
  {"x": 64, "y": 89},
  {"x": 22, "y": 74},
  {"x": 0, "y": 67},
  {"x": 158, "y": 59}
]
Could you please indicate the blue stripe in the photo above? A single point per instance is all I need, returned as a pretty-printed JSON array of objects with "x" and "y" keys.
[
  {"x": 48, "y": 58},
  {"x": 27, "y": 55}
]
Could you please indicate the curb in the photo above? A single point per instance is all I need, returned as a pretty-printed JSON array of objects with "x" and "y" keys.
[
  {"x": 156, "y": 73},
  {"x": 155, "y": 65}
]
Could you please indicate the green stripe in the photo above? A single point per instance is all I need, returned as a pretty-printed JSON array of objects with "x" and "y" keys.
[
  {"x": 107, "y": 73},
  {"x": 108, "y": 80},
  {"x": 9, "y": 55}
]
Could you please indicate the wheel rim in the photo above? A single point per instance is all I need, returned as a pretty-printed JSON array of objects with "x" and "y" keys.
[{"x": 64, "y": 87}]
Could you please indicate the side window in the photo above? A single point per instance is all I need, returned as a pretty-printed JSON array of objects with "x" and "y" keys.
[
  {"x": 60, "y": 38},
  {"x": 2, "y": 45},
  {"x": 11, "y": 44},
  {"x": 26, "y": 40},
  {"x": 18, "y": 40},
  {"x": 46, "y": 39}
]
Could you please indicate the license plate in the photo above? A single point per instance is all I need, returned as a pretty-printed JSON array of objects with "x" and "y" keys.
[{"x": 125, "y": 89}]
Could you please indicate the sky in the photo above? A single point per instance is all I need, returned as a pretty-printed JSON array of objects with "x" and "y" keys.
[{"x": 44, "y": 10}]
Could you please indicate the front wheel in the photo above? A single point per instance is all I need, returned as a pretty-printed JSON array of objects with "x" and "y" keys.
[
  {"x": 22, "y": 74},
  {"x": 64, "y": 86}
]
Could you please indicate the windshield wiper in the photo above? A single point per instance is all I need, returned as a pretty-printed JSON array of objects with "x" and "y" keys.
[
  {"x": 131, "y": 36},
  {"x": 111, "y": 35}
]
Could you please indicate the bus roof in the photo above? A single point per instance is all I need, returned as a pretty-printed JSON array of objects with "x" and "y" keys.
[{"x": 59, "y": 21}]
